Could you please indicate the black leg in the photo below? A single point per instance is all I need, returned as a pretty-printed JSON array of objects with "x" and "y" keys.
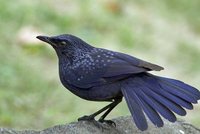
[
  {"x": 115, "y": 103},
  {"x": 109, "y": 107}
]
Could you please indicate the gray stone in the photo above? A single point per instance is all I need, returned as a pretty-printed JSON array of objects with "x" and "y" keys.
[{"x": 124, "y": 125}]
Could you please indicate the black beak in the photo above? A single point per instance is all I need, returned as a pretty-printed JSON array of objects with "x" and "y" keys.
[{"x": 44, "y": 38}]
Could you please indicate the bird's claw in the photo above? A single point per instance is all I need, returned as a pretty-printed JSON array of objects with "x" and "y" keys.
[
  {"x": 109, "y": 122},
  {"x": 92, "y": 120},
  {"x": 86, "y": 118}
]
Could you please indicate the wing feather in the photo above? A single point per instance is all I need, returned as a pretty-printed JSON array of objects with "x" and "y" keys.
[{"x": 107, "y": 66}]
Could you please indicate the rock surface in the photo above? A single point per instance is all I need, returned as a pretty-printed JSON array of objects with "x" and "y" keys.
[{"x": 124, "y": 125}]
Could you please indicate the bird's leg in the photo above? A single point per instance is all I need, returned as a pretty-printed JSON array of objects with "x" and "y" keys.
[
  {"x": 109, "y": 107},
  {"x": 92, "y": 116},
  {"x": 101, "y": 119}
]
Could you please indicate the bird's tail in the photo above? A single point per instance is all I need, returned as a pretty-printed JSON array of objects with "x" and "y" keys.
[{"x": 157, "y": 96}]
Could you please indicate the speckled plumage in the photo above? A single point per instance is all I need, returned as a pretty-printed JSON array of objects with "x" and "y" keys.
[{"x": 102, "y": 75}]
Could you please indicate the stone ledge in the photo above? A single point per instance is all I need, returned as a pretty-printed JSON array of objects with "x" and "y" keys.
[{"x": 124, "y": 125}]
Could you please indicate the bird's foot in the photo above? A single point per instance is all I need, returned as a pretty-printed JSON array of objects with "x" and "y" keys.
[
  {"x": 92, "y": 120},
  {"x": 109, "y": 122},
  {"x": 86, "y": 118}
]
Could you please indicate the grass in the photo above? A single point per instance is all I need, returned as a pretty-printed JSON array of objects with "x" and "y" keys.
[{"x": 31, "y": 95}]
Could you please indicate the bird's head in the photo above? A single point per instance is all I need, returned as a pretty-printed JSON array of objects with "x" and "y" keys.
[{"x": 66, "y": 44}]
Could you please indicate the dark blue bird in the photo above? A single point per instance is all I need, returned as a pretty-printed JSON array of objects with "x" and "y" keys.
[{"x": 98, "y": 74}]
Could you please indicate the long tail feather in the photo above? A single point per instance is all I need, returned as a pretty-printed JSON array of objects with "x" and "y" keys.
[
  {"x": 181, "y": 92},
  {"x": 156, "y": 87},
  {"x": 183, "y": 85},
  {"x": 134, "y": 107},
  {"x": 165, "y": 112},
  {"x": 150, "y": 112},
  {"x": 152, "y": 95},
  {"x": 167, "y": 103},
  {"x": 155, "y": 93}
]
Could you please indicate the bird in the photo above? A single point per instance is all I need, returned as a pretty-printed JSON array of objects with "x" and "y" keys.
[{"x": 97, "y": 74}]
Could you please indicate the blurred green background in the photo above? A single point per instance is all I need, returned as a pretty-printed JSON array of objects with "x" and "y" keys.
[{"x": 164, "y": 32}]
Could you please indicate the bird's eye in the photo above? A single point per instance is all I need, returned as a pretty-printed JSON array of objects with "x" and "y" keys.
[{"x": 63, "y": 43}]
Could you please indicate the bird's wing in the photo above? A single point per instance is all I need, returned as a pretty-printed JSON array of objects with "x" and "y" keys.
[
  {"x": 109, "y": 66},
  {"x": 123, "y": 64}
]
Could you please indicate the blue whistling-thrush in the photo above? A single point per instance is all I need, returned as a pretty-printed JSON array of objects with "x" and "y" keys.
[{"x": 98, "y": 74}]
